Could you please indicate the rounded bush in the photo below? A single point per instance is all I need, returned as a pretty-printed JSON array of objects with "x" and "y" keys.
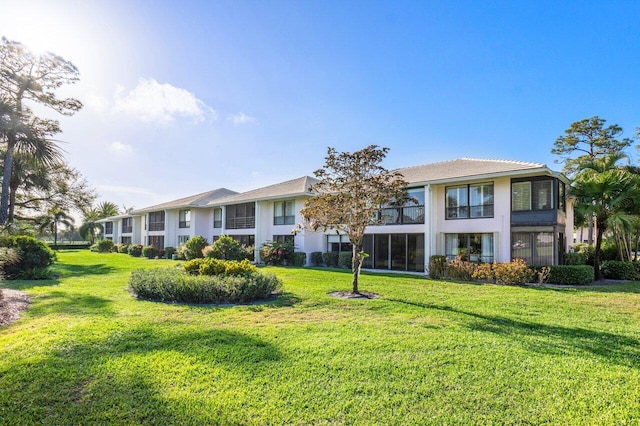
[
  {"x": 193, "y": 247},
  {"x": 226, "y": 248},
  {"x": 124, "y": 248},
  {"x": 330, "y": 259},
  {"x": 104, "y": 246},
  {"x": 34, "y": 258},
  {"x": 316, "y": 258},
  {"x": 345, "y": 259},
  {"x": 135, "y": 250},
  {"x": 173, "y": 285},
  {"x": 149, "y": 252}
]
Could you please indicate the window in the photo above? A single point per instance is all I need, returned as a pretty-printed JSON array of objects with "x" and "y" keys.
[
  {"x": 471, "y": 247},
  {"x": 108, "y": 227},
  {"x": 182, "y": 239},
  {"x": 217, "y": 218},
  {"x": 338, "y": 243},
  {"x": 241, "y": 216},
  {"x": 245, "y": 240},
  {"x": 157, "y": 241},
  {"x": 125, "y": 240},
  {"x": 156, "y": 221},
  {"x": 284, "y": 212},
  {"x": 184, "y": 219},
  {"x": 532, "y": 195},
  {"x": 469, "y": 201},
  {"x": 535, "y": 248},
  {"x": 127, "y": 227},
  {"x": 411, "y": 211},
  {"x": 284, "y": 238}
]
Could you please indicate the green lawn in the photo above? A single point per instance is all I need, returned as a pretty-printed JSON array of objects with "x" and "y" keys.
[{"x": 426, "y": 352}]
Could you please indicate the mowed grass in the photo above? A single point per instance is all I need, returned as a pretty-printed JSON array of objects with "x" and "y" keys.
[{"x": 426, "y": 352}]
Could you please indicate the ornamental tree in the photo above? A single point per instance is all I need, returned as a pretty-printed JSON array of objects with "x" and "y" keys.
[{"x": 351, "y": 190}]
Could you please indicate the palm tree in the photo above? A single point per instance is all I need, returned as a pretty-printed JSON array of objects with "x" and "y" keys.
[
  {"x": 107, "y": 209},
  {"x": 50, "y": 220},
  {"x": 605, "y": 190},
  {"x": 89, "y": 225}
]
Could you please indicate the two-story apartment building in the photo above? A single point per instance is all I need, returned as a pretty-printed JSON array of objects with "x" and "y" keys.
[{"x": 483, "y": 210}]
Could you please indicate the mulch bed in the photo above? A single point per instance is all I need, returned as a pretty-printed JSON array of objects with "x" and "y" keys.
[
  {"x": 352, "y": 295},
  {"x": 11, "y": 304}
]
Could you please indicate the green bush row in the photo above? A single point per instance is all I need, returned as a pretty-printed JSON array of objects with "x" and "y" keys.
[
  {"x": 173, "y": 285},
  {"x": 209, "y": 266},
  {"x": 571, "y": 274},
  {"x": 617, "y": 270}
]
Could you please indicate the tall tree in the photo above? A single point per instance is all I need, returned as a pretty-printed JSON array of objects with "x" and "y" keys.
[
  {"x": 27, "y": 77},
  {"x": 587, "y": 140},
  {"x": 50, "y": 221},
  {"x": 605, "y": 191},
  {"x": 351, "y": 190},
  {"x": 107, "y": 209}
]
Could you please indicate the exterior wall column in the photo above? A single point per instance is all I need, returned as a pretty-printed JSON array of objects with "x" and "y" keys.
[
  {"x": 428, "y": 228},
  {"x": 257, "y": 231},
  {"x": 223, "y": 218}
]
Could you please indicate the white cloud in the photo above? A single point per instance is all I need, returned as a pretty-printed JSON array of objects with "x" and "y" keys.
[
  {"x": 96, "y": 102},
  {"x": 240, "y": 118},
  {"x": 160, "y": 103},
  {"x": 120, "y": 148}
]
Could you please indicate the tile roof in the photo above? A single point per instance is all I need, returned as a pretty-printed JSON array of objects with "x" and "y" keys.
[
  {"x": 199, "y": 200},
  {"x": 290, "y": 188},
  {"x": 466, "y": 168}
]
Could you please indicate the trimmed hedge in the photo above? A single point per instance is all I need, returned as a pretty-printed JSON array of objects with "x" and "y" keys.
[
  {"x": 149, "y": 252},
  {"x": 617, "y": 270},
  {"x": 571, "y": 274},
  {"x": 173, "y": 285},
  {"x": 345, "y": 259},
  {"x": 135, "y": 250},
  {"x": 316, "y": 258},
  {"x": 298, "y": 258},
  {"x": 576, "y": 258},
  {"x": 209, "y": 266},
  {"x": 437, "y": 266},
  {"x": 330, "y": 259}
]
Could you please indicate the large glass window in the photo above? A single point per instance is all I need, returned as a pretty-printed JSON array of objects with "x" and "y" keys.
[
  {"x": 403, "y": 252},
  {"x": 284, "y": 212},
  {"x": 469, "y": 201},
  {"x": 535, "y": 248},
  {"x": 217, "y": 218},
  {"x": 532, "y": 195},
  {"x": 284, "y": 238},
  {"x": 125, "y": 240},
  {"x": 338, "y": 243},
  {"x": 157, "y": 241},
  {"x": 182, "y": 239},
  {"x": 471, "y": 247},
  {"x": 108, "y": 227},
  {"x": 127, "y": 227},
  {"x": 156, "y": 221},
  {"x": 457, "y": 202},
  {"x": 381, "y": 251},
  {"x": 241, "y": 216},
  {"x": 184, "y": 219}
]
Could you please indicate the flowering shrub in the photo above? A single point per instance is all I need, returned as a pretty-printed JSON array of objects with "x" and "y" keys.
[
  {"x": 135, "y": 250},
  {"x": 276, "y": 252},
  {"x": 459, "y": 269},
  {"x": 437, "y": 266},
  {"x": 149, "y": 252},
  {"x": 515, "y": 273}
]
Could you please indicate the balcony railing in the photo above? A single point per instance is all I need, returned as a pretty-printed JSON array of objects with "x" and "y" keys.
[
  {"x": 402, "y": 215},
  {"x": 156, "y": 226},
  {"x": 241, "y": 222},
  {"x": 127, "y": 229},
  {"x": 184, "y": 224}
]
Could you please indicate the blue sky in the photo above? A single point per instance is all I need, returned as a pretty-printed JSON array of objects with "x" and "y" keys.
[{"x": 183, "y": 97}]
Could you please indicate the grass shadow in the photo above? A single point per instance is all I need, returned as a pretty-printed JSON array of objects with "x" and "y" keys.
[
  {"x": 60, "y": 302},
  {"x": 550, "y": 339}
]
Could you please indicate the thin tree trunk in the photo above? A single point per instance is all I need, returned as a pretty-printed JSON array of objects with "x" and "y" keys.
[
  {"x": 590, "y": 236},
  {"x": 55, "y": 233},
  {"x": 356, "y": 263},
  {"x": 12, "y": 203},
  {"x": 597, "y": 255},
  {"x": 6, "y": 181}
]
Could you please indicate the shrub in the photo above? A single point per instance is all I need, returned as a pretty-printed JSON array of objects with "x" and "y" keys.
[
  {"x": 330, "y": 259},
  {"x": 135, "y": 250},
  {"x": 485, "y": 272},
  {"x": 575, "y": 258},
  {"x": 226, "y": 248},
  {"x": 32, "y": 254},
  {"x": 172, "y": 285},
  {"x": 238, "y": 267},
  {"x": 8, "y": 256},
  {"x": 276, "y": 252},
  {"x": 211, "y": 267},
  {"x": 193, "y": 247},
  {"x": 149, "y": 252},
  {"x": 571, "y": 274},
  {"x": 124, "y": 248},
  {"x": 437, "y": 266},
  {"x": 459, "y": 269},
  {"x": 345, "y": 259},
  {"x": 617, "y": 270},
  {"x": 104, "y": 246},
  {"x": 515, "y": 273},
  {"x": 316, "y": 258},
  {"x": 193, "y": 266},
  {"x": 169, "y": 252},
  {"x": 298, "y": 258}
]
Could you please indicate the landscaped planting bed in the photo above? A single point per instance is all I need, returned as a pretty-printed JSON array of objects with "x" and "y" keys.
[{"x": 425, "y": 352}]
